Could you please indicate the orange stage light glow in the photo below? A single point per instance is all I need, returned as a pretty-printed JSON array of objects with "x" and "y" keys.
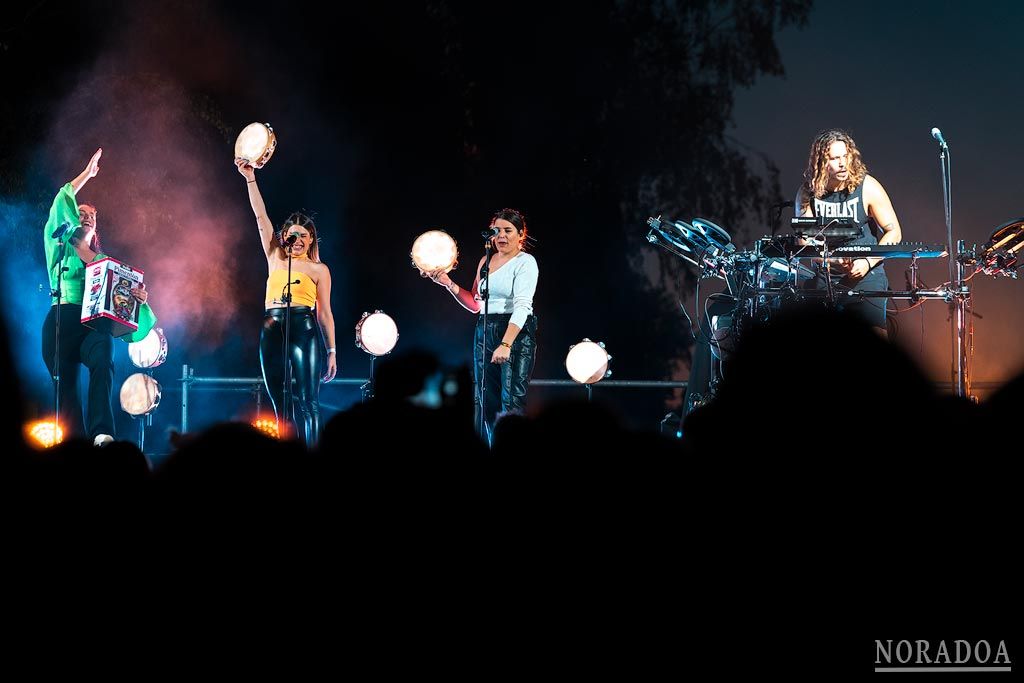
[
  {"x": 40, "y": 433},
  {"x": 267, "y": 426}
]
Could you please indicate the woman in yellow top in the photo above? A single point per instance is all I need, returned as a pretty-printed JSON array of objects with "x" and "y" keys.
[{"x": 310, "y": 291}]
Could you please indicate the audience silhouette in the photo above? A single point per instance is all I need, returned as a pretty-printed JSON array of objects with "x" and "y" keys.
[{"x": 827, "y": 481}]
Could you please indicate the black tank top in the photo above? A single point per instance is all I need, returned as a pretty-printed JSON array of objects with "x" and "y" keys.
[{"x": 843, "y": 204}]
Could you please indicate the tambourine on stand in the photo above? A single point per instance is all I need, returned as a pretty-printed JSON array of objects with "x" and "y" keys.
[
  {"x": 377, "y": 335},
  {"x": 140, "y": 393},
  {"x": 587, "y": 363}
]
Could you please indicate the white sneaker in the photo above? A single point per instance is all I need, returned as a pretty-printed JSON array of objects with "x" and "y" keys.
[{"x": 102, "y": 440}]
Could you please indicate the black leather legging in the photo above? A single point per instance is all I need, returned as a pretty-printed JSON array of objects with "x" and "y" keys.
[
  {"x": 306, "y": 354},
  {"x": 505, "y": 384}
]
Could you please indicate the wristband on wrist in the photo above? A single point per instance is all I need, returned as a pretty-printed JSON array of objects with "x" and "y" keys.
[
  {"x": 332, "y": 350},
  {"x": 505, "y": 344}
]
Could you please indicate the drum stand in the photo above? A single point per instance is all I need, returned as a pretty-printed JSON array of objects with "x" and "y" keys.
[{"x": 958, "y": 295}]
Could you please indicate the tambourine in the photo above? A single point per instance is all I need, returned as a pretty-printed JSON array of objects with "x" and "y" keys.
[
  {"x": 376, "y": 333},
  {"x": 256, "y": 144},
  {"x": 140, "y": 394},
  {"x": 151, "y": 351},
  {"x": 587, "y": 362},
  {"x": 434, "y": 250}
]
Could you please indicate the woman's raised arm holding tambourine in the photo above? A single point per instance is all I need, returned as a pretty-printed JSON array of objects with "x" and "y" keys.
[{"x": 266, "y": 228}]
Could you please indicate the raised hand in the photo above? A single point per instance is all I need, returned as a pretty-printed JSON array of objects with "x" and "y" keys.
[
  {"x": 93, "y": 167},
  {"x": 245, "y": 168}
]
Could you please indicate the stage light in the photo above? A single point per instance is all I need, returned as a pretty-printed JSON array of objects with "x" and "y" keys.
[
  {"x": 268, "y": 426},
  {"x": 40, "y": 433},
  {"x": 587, "y": 362}
]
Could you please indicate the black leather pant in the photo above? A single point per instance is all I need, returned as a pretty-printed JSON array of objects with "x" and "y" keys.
[
  {"x": 504, "y": 385},
  {"x": 306, "y": 355},
  {"x": 81, "y": 345}
]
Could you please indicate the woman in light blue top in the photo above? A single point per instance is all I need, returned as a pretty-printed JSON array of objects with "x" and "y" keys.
[{"x": 510, "y": 339}]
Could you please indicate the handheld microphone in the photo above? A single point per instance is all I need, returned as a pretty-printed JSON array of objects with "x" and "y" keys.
[
  {"x": 68, "y": 233},
  {"x": 937, "y": 134},
  {"x": 61, "y": 232}
]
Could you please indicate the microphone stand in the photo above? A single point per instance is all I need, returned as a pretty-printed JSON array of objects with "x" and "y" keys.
[
  {"x": 960, "y": 292},
  {"x": 59, "y": 256},
  {"x": 485, "y": 289},
  {"x": 286, "y": 402}
]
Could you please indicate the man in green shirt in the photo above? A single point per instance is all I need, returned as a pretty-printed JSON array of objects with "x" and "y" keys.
[{"x": 70, "y": 242}]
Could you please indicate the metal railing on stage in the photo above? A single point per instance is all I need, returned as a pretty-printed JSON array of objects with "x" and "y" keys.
[{"x": 189, "y": 380}]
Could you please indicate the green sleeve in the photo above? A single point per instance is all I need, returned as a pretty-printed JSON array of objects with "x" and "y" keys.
[{"x": 64, "y": 210}]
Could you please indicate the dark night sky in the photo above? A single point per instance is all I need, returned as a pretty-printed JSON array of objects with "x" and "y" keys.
[{"x": 387, "y": 128}]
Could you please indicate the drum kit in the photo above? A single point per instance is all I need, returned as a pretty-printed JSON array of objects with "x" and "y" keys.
[
  {"x": 756, "y": 279},
  {"x": 780, "y": 269},
  {"x": 1001, "y": 255}
]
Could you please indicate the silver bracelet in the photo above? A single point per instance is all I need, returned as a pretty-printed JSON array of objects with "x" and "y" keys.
[{"x": 332, "y": 350}]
